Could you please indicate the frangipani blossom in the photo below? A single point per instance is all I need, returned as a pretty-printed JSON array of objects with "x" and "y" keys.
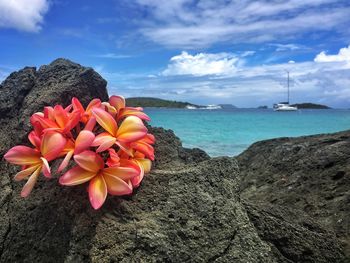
[
  {"x": 113, "y": 180},
  {"x": 82, "y": 143},
  {"x": 131, "y": 129},
  {"x": 34, "y": 161},
  {"x": 85, "y": 115},
  {"x": 55, "y": 119},
  {"x": 57, "y": 133},
  {"x": 116, "y": 107}
]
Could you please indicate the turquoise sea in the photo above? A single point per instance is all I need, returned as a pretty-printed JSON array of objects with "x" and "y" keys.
[{"x": 231, "y": 131}]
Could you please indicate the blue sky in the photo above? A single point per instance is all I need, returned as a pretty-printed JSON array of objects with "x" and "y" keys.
[{"x": 200, "y": 51}]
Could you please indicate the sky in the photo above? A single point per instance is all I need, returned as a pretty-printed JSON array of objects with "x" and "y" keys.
[{"x": 200, "y": 51}]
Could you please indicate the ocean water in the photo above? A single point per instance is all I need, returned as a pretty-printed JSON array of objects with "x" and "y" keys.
[{"x": 231, "y": 131}]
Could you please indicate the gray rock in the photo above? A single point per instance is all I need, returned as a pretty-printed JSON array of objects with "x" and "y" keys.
[
  {"x": 308, "y": 173},
  {"x": 187, "y": 209}
]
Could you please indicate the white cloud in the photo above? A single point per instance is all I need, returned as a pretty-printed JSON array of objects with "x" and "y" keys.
[
  {"x": 286, "y": 47},
  {"x": 201, "y": 64},
  {"x": 208, "y": 78},
  {"x": 23, "y": 15},
  {"x": 343, "y": 55},
  {"x": 191, "y": 24}
]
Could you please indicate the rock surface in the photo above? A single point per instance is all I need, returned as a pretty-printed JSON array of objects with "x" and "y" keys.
[
  {"x": 188, "y": 209},
  {"x": 310, "y": 173}
]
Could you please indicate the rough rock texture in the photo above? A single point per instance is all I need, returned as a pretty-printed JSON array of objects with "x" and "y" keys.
[
  {"x": 310, "y": 173},
  {"x": 187, "y": 209}
]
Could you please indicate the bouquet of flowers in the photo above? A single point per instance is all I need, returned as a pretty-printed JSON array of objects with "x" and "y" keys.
[{"x": 108, "y": 142}]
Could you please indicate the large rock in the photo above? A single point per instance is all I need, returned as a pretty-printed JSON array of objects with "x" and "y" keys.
[
  {"x": 308, "y": 173},
  {"x": 187, "y": 209}
]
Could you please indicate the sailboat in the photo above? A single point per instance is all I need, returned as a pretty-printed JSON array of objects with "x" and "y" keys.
[{"x": 285, "y": 106}]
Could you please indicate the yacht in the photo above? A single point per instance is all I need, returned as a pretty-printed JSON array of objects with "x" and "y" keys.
[{"x": 285, "y": 106}]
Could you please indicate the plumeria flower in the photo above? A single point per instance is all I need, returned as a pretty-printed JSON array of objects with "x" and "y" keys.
[
  {"x": 131, "y": 129},
  {"x": 116, "y": 107},
  {"x": 55, "y": 119},
  {"x": 112, "y": 180},
  {"x": 80, "y": 144},
  {"x": 34, "y": 161},
  {"x": 85, "y": 114}
]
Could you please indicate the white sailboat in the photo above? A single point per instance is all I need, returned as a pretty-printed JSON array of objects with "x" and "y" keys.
[{"x": 285, "y": 106}]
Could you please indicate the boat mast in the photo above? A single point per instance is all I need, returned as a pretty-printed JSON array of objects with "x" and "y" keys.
[{"x": 288, "y": 84}]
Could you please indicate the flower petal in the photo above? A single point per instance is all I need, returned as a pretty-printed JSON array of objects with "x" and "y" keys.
[
  {"x": 97, "y": 191},
  {"x": 83, "y": 141},
  {"x": 117, "y": 186},
  {"x": 133, "y": 112},
  {"x": 118, "y": 102},
  {"x": 75, "y": 176},
  {"x": 146, "y": 164},
  {"x": 46, "y": 168},
  {"x": 138, "y": 179},
  {"x": 52, "y": 145},
  {"x": 131, "y": 129},
  {"x": 26, "y": 172},
  {"x": 89, "y": 161},
  {"x": 144, "y": 148},
  {"x": 28, "y": 187},
  {"x": 61, "y": 116},
  {"x": 101, "y": 138},
  {"x": 90, "y": 125},
  {"x": 105, "y": 120},
  {"x": 106, "y": 145},
  {"x": 22, "y": 155},
  {"x": 65, "y": 161},
  {"x": 34, "y": 139},
  {"x": 124, "y": 173},
  {"x": 113, "y": 159}
]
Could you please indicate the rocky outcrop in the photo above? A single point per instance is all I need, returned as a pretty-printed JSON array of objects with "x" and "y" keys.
[
  {"x": 188, "y": 209},
  {"x": 308, "y": 173}
]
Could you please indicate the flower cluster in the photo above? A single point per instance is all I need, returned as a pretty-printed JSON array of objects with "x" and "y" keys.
[{"x": 114, "y": 161}]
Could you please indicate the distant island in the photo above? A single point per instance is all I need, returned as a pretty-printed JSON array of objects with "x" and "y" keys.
[
  {"x": 263, "y": 107},
  {"x": 309, "y": 105},
  {"x": 157, "y": 103}
]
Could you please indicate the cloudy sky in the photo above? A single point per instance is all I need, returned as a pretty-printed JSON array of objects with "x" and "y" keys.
[{"x": 201, "y": 51}]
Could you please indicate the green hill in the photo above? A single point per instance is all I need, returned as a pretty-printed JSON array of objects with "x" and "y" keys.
[
  {"x": 155, "y": 102},
  {"x": 309, "y": 105}
]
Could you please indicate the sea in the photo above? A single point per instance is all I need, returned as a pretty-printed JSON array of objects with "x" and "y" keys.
[{"x": 231, "y": 131}]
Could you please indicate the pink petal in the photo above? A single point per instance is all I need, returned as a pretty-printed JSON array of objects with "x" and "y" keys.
[
  {"x": 144, "y": 148},
  {"x": 26, "y": 172},
  {"x": 28, "y": 187},
  {"x": 131, "y": 129},
  {"x": 97, "y": 191},
  {"x": 73, "y": 121},
  {"x": 65, "y": 161},
  {"x": 52, "y": 145},
  {"x": 108, "y": 143},
  {"x": 105, "y": 120},
  {"x": 89, "y": 161},
  {"x": 137, "y": 180},
  {"x": 90, "y": 125},
  {"x": 101, "y": 138},
  {"x": 117, "y": 186},
  {"x": 118, "y": 102},
  {"x": 124, "y": 173},
  {"x": 61, "y": 116},
  {"x": 132, "y": 112},
  {"x": 95, "y": 103},
  {"x": 46, "y": 168},
  {"x": 23, "y": 155},
  {"x": 75, "y": 176},
  {"x": 113, "y": 159},
  {"x": 83, "y": 141},
  {"x": 34, "y": 139}
]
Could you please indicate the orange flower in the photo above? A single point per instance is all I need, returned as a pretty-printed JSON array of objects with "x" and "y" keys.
[{"x": 113, "y": 180}]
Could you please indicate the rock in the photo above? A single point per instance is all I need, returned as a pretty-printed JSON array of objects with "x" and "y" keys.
[
  {"x": 292, "y": 235},
  {"x": 188, "y": 209},
  {"x": 308, "y": 173}
]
